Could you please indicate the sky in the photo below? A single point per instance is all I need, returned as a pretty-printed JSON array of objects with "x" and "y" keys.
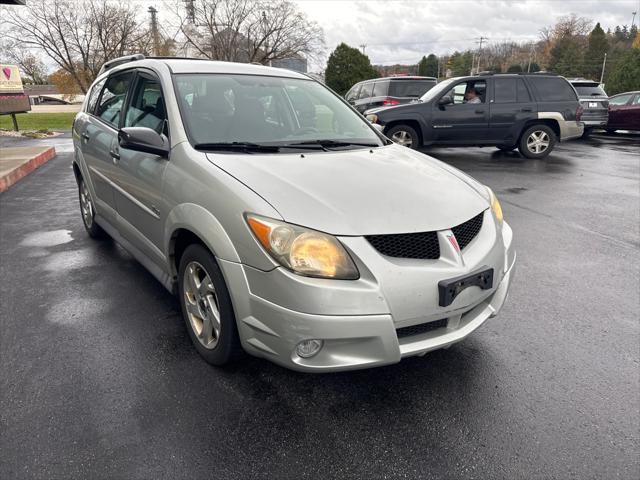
[{"x": 401, "y": 31}]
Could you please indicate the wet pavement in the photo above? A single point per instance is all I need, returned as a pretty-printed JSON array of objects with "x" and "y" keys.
[{"x": 98, "y": 378}]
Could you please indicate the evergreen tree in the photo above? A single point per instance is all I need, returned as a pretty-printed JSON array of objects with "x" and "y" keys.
[
  {"x": 514, "y": 68},
  {"x": 432, "y": 66},
  {"x": 566, "y": 57},
  {"x": 422, "y": 67},
  {"x": 346, "y": 67},
  {"x": 625, "y": 76},
  {"x": 594, "y": 55}
]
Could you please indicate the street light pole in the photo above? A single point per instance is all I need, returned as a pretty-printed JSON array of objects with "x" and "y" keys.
[{"x": 604, "y": 62}]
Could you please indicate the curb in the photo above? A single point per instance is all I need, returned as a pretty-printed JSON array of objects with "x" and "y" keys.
[{"x": 26, "y": 168}]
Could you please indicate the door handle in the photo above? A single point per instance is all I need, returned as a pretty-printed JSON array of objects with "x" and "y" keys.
[
  {"x": 85, "y": 135},
  {"x": 115, "y": 155}
]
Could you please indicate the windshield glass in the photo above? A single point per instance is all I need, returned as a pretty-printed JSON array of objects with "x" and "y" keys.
[
  {"x": 589, "y": 90},
  {"x": 437, "y": 89},
  {"x": 260, "y": 110},
  {"x": 410, "y": 88}
]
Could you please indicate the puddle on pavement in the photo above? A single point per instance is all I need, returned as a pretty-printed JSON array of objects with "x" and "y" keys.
[
  {"x": 47, "y": 239},
  {"x": 70, "y": 260}
]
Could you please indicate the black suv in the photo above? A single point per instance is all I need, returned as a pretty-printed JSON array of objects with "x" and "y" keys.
[
  {"x": 388, "y": 91},
  {"x": 531, "y": 112},
  {"x": 595, "y": 104}
]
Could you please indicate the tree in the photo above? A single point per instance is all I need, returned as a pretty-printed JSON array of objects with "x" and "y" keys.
[
  {"x": 461, "y": 63},
  {"x": 31, "y": 66},
  {"x": 77, "y": 36},
  {"x": 347, "y": 66},
  {"x": 428, "y": 66},
  {"x": 594, "y": 55},
  {"x": 566, "y": 57},
  {"x": 248, "y": 30},
  {"x": 515, "y": 68},
  {"x": 422, "y": 67},
  {"x": 625, "y": 76}
]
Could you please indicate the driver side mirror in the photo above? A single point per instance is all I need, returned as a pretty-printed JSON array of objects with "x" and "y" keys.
[
  {"x": 143, "y": 139},
  {"x": 446, "y": 100}
]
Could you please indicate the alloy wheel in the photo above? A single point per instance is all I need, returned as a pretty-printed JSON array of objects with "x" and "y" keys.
[
  {"x": 201, "y": 303},
  {"x": 538, "y": 141},
  {"x": 86, "y": 206},
  {"x": 401, "y": 137}
]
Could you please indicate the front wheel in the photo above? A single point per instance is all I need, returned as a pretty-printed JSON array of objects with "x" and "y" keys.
[
  {"x": 404, "y": 135},
  {"x": 537, "y": 141},
  {"x": 206, "y": 307}
]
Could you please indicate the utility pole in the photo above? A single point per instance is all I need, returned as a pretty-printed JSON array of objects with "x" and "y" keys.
[
  {"x": 154, "y": 30},
  {"x": 604, "y": 62},
  {"x": 363, "y": 46},
  {"x": 633, "y": 19},
  {"x": 532, "y": 52},
  {"x": 480, "y": 41},
  {"x": 191, "y": 11}
]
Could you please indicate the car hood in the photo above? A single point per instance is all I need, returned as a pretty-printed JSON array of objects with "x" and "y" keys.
[{"x": 390, "y": 189}]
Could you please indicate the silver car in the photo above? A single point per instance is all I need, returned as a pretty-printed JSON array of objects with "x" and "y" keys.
[{"x": 288, "y": 226}]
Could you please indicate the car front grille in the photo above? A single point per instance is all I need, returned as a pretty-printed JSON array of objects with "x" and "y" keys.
[
  {"x": 424, "y": 245},
  {"x": 421, "y": 328},
  {"x": 467, "y": 231}
]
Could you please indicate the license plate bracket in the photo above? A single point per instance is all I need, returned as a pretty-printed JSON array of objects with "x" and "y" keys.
[{"x": 449, "y": 289}]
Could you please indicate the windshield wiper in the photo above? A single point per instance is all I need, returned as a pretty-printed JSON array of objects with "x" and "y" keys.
[
  {"x": 244, "y": 146},
  {"x": 326, "y": 144}
]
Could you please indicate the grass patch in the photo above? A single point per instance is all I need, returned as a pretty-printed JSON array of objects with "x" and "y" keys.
[{"x": 39, "y": 121}]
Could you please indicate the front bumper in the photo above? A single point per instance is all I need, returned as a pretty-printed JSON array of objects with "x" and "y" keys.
[{"x": 358, "y": 320}]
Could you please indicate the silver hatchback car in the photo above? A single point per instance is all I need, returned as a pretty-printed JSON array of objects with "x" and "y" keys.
[{"x": 288, "y": 226}]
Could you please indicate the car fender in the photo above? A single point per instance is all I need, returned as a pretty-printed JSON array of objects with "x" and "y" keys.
[{"x": 202, "y": 223}]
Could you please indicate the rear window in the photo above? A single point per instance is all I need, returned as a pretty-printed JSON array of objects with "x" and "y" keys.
[
  {"x": 410, "y": 88},
  {"x": 553, "y": 89},
  {"x": 589, "y": 90}
]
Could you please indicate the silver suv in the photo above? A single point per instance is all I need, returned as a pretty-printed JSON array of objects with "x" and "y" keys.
[{"x": 288, "y": 226}]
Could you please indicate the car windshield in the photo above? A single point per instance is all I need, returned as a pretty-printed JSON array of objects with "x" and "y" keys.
[
  {"x": 252, "y": 111},
  {"x": 589, "y": 90},
  {"x": 410, "y": 88},
  {"x": 437, "y": 90}
]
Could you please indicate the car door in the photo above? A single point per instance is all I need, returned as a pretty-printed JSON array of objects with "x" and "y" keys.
[
  {"x": 510, "y": 107},
  {"x": 98, "y": 135},
  {"x": 138, "y": 180},
  {"x": 618, "y": 110},
  {"x": 461, "y": 122}
]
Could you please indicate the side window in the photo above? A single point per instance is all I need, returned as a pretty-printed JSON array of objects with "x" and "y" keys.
[
  {"x": 553, "y": 89},
  {"x": 112, "y": 99},
  {"x": 380, "y": 89},
  {"x": 147, "y": 107},
  {"x": 473, "y": 91},
  {"x": 619, "y": 100},
  {"x": 523, "y": 91},
  {"x": 365, "y": 91},
  {"x": 505, "y": 90},
  {"x": 636, "y": 101},
  {"x": 353, "y": 93},
  {"x": 93, "y": 96}
]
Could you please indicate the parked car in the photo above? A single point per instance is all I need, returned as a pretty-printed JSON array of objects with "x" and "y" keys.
[
  {"x": 595, "y": 104},
  {"x": 388, "y": 91},
  {"x": 208, "y": 176},
  {"x": 624, "y": 112},
  {"x": 531, "y": 112}
]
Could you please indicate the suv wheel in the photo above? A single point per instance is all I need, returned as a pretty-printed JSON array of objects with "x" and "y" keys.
[
  {"x": 537, "y": 141},
  {"x": 404, "y": 135},
  {"x": 88, "y": 211},
  {"x": 206, "y": 306}
]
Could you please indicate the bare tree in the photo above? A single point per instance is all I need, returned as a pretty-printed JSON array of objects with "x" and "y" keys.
[
  {"x": 78, "y": 36},
  {"x": 30, "y": 64},
  {"x": 247, "y": 30}
]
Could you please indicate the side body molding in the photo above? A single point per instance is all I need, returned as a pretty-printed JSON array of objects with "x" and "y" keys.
[{"x": 201, "y": 222}]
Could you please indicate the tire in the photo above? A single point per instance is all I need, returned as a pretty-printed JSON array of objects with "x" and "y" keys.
[
  {"x": 587, "y": 132},
  {"x": 537, "y": 142},
  {"x": 88, "y": 211},
  {"x": 205, "y": 302},
  {"x": 404, "y": 135},
  {"x": 506, "y": 148}
]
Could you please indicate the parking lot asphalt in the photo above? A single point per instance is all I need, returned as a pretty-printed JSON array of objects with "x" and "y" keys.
[{"x": 98, "y": 378}]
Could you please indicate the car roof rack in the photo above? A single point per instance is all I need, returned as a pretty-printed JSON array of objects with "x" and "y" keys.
[{"x": 120, "y": 60}]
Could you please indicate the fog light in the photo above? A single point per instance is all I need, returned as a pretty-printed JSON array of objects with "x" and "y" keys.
[{"x": 308, "y": 348}]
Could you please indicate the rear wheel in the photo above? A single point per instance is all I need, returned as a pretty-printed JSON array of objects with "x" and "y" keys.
[
  {"x": 88, "y": 211},
  {"x": 206, "y": 307},
  {"x": 404, "y": 135},
  {"x": 537, "y": 141}
]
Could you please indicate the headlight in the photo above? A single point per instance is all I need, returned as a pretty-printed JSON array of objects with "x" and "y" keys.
[
  {"x": 304, "y": 251},
  {"x": 495, "y": 206},
  {"x": 372, "y": 117}
]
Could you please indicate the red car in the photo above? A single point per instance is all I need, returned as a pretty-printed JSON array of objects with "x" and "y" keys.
[{"x": 624, "y": 112}]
